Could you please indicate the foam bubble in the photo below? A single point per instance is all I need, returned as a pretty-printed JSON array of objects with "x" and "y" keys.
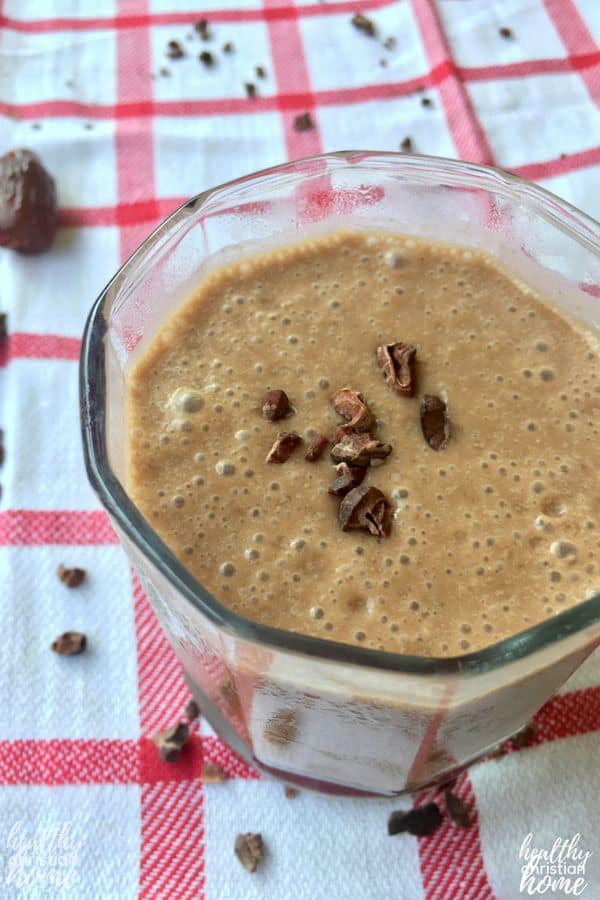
[
  {"x": 227, "y": 569},
  {"x": 563, "y": 549},
  {"x": 186, "y": 400},
  {"x": 225, "y": 467}
]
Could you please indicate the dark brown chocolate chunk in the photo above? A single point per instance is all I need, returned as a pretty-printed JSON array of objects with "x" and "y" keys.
[
  {"x": 171, "y": 742},
  {"x": 290, "y": 792},
  {"x": 228, "y": 47},
  {"x": 506, "y": 33},
  {"x": 70, "y": 643},
  {"x": 28, "y": 211},
  {"x": 426, "y": 101},
  {"x": 359, "y": 449},
  {"x": 525, "y": 736},
  {"x": 350, "y": 405},
  {"x": 316, "y": 448},
  {"x": 406, "y": 145},
  {"x": 362, "y": 23},
  {"x": 212, "y": 773},
  {"x": 175, "y": 50},
  {"x": 366, "y": 508},
  {"x": 191, "y": 709},
  {"x": 71, "y": 577},
  {"x": 304, "y": 122},
  {"x": 276, "y": 405},
  {"x": 397, "y": 362},
  {"x": 348, "y": 477},
  {"x": 206, "y": 58},
  {"x": 261, "y": 72},
  {"x": 434, "y": 422},
  {"x": 249, "y": 849},
  {"x": 3, "y": 326},
  {"x": 420, "y": 821},
  {"x": 285, "y": 444},
  {"x": 250, "y": 89},
  {"x": 457, "y": 810},
  {"x": 281, "y": 728}
]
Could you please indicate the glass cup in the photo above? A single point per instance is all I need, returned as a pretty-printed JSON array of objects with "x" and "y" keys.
[{"x": 314, "y": 712}]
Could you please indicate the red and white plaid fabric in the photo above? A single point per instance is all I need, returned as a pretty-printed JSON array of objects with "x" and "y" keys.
[{"x": 80, "y": 84}]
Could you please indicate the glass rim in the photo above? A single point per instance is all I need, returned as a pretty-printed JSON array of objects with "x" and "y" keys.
[{"x": 127, "y": 517}]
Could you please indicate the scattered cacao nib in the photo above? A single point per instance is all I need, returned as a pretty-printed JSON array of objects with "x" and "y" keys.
[
  {"x": 359, "y": 450},
  {"x": 3, "y": 326},
  {"x": 389, "y": 43},
  {"x": 366, "y": 508},
  {"x": 457, "y": 810},
  {"x": 420, "y": 821},
  {"x": 171, "y": 742},
  {"x": 250, "y": 89},
  {"x": 276, "y": 405},
  {"x": 227, "y": 47},
  {"x": 285, "y": 444},
  {"x": 191, "y": 709},
  {"x": 506, "y": 33},
  {"x": 525, "y": 736},
  {"x": 249, "y": 850},
  {"x": 426, "y": 101},
  {"x": 304, "y": 122},
  {"x": 260, "y": 71},
  {"x": 71, "y": 577},
  {"x": 434, "y": 422},
  {"x": 281, "y": 728},
  {"x": 397, "y": 362},
  {"x": 230, "y": 695},
  {"x": 70, "y": 643},
  {"x": 290, "y": 792},
  {"x": 28, "y": 211},
  {"x": 206, "y": 58},
  {"x": 316, "y": 448},
  {"x": 362, "y": 23},
  {"x": 175, "y": 50},
  {"x": 348, "y": 478},
  {"x": 350, "y": 405},
  {"x": 406, "y": 145},
  {"x": 212, "y": 773}
]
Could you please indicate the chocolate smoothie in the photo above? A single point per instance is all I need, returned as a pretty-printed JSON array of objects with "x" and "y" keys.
[{"x": 481, "y": 515}]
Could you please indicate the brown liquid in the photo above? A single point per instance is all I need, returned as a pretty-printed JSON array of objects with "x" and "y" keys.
[{"x": 490, "y": 536}]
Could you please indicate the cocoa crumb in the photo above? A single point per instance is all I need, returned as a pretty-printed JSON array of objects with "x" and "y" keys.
[
  {"x": 191, "y": 709},
  {"x": 350, "y": 405},
  {"x": 212, "y": 773},
  {"x": 1, "y": 446},
  {"x": 362, "y": 23},
  {"x": 249, "y": 849},
  {"x": 206, "y": 58},
  {"x": 406, "y": 145},
  {"x": 164, "y": 72},
  {"x": 426, "y": 101},
  {"x": 359, "y": 450},
  {"x": 316, "y": 448},
  {"x": 457, "y": 810},
  {"x": 397, "y": 362},
  {"x": 304, "y": 122},
  {"x": 389, "y": 43},
  {"x": 348, "y": 477},
  {"x": 71, "y": 577},
  {"x": 260, "y": 71},
  {"x": 228, "y": 47},
  {"x": 281, "y": 728},
  {"x": 70, "y": 643},
  {"x": 285, "y": 444},
  {"x": 366, "y": 508},
  {"x": 250, "y": 89},
  {"x": 290, "y": 792},
  {"x": 524, "y": 737},
  {"x": 171, "y": 742},
  {"x": 201, "y": 27},
  {"x": 175, "y": 50},
  {"x": 3, "y": 326},
  {"x": 276, "y": 405},
  {"x": 420, "y": 821},
  {"x": 506, "y": 33},
  {"x": 434, "y": 422}
]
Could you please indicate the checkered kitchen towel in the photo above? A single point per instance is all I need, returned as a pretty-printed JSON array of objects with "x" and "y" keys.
[{"x": 87, "y": 810}]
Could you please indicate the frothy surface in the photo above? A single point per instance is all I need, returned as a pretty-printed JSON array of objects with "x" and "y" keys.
[{"x": 490, "y": 536}]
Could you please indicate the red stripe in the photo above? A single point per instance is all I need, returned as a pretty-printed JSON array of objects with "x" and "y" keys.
[
  {"x": 560, "y": 166},
  {"x": 451, "y": 860},
  {"x": 140, "y": 20},
  {"x": 292, "y": 76},
  {"x": 299, "y": 100},
  {"x": 576, "y": 37},
  {"x": 37, "y": 527},
  {"x": 469, "y": 137},
  {"x": 24, "y": 345}
]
